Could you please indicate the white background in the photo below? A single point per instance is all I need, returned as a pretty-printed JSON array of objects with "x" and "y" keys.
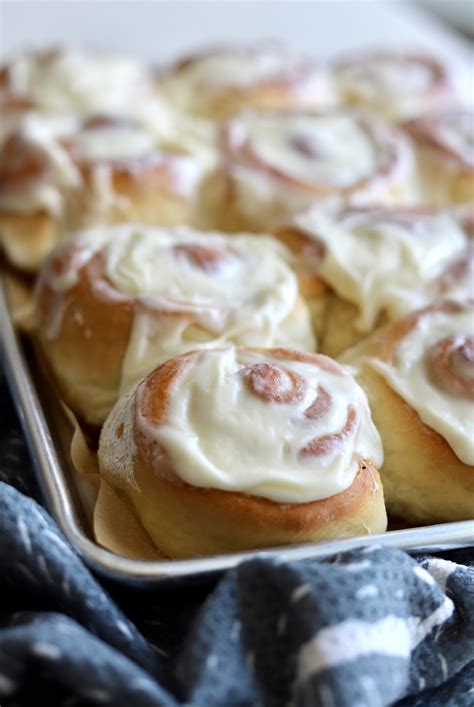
[{"x": 159, "y": 30}]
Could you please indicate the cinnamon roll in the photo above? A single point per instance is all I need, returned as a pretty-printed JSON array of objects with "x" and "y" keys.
[
  {"x": 275, "y": 164},
  {"x": 398, "y": 85},
  {"x": 61, "y": 81},
  {"x": 57, "y": 175},
  {"x": 360, "y": 267},
  {"x": 418, "y": 373},
  {"x": 237, "y": 448},
  {"x": 445, "y": 153},
  {"x": 219, "y": 82},
  {"x": 12, "y": 106},
  {"x": 112, "y": 303}
]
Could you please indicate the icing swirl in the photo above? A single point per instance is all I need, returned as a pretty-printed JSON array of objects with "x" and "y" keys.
[
  {"x": 388, "y": 260},
  {"x": 450, "y": 363},
  {"x": 196, "y": 81},
  {"x": 238, "y": 420},
  {"x": 187, "y": 290},
  {"x": 295, "y": 159},
  {"x": 399, "y": 85},
  {"x": 320, "y": 152},
  {"x": 432, "y": 369},
  {"x": 61, "y": 81}
]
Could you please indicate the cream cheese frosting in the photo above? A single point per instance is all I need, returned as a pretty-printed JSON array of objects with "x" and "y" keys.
[
  {"x": 327, "y": 149},
  {"x": 387, "y": 260},
  {"x": 283, "y": 162},
  {"x": 64, "y": 145},
  {"x": 242, "y": 69},
  {"x": 222, "y": 69},
  {"x": 114, "y": 143},
  {"x": 417, "y": 379},
  {"x": 221, "y": 289},
  {"x": 240, "y": 421},
  {"x": 72, "y": 81},
  {"x": 399, "y": 85},
  {"x": 331, "y": 150}
]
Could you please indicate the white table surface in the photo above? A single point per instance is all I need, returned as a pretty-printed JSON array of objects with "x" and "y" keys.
[{"x": 160, "y": 30}]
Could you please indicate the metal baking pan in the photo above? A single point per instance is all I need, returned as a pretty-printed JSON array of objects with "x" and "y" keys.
[{"x": 48, "y": 435}]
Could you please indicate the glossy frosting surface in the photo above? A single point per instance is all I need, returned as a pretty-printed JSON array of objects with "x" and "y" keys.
[
  {"x": 285, "y": 430},
  {"x": 387, "y": 260}
]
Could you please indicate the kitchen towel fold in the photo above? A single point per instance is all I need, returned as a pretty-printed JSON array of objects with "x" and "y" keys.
[{"x": 366, "y": 628}]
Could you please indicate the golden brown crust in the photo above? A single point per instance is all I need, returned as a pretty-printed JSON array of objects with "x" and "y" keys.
[
  {"x": 148, "y": 196},
  {"x": 153, "y": 189},
  {"x": 27, "y": 238},
  {"x": 424, "y": 481},
  {"x": 186, "y": 521},
  {"x": 83, "y": 334}
]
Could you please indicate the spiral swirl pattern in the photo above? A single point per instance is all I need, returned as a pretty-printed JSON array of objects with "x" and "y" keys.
[
  {"x": 451, "y": 364},
  {"x": 184, "y": 289},
  {"x": 276, "y": 423}
]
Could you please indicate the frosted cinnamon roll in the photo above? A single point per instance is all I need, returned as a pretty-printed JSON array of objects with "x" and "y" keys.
[
  {"x": 360, "y": 267},
  {"x": 398, "y": 85},
  {"x": 234, "y": 448},
  {"x": 61, "y": 81},
  {"x": 445, "y": 153},
  {"x": 12, "y": 106},
  {"x": 278, "y": 163},
  {"x": 114, "y": 302},
  {"x": 219, "y": 82},
  {"x": 60, "y": 174},
  {"x": 418, "y": 373}
]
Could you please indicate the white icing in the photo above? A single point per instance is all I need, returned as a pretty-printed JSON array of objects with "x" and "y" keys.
[
  {"x": 248, "y": 302},
  {"x": 220, "y": 435},
  {"x": 398, "y": 85},
  {"x": 62, "y": 142},
  {"x": 109, "y": 143},
  {"x": 180, "y": 132},
  {"x": 240, "y": 70},
  {"x": 221, "y": 69},
  {"x": 384, "y": 261},
  {"x": 248, "y": 298},
  {"x": 72, "y": 81},
  {"x": 343, "y": 153},
  {"x": 452, "y": 416},
  {"x": 446, "y": 148}
]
